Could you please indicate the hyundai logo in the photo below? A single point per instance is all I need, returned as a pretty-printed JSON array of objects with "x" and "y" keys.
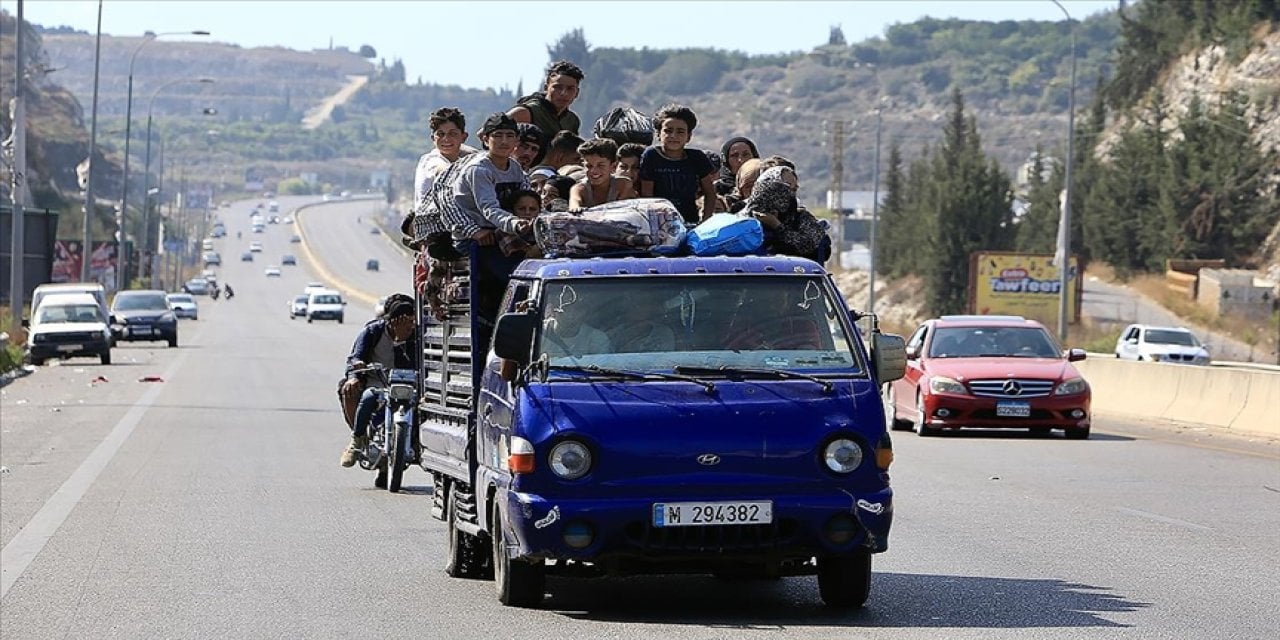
[
  {"x": 708, "y": 459},
  {"x": 1012, "y": 388}
]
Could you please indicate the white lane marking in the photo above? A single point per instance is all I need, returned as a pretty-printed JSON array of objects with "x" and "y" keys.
[
  {"x": 1159, "y": 518},
  {"x": 27, "y": 544}
]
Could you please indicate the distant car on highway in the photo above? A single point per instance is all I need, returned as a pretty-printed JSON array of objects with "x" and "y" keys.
[
  {"x": 371, "y": 265},
  {"x": 288, "y": 220},
  {"x": 1161, "y": 344},
  {"x": 326, "y": 304},
  {"x": 246, "y": 256},
  {"x": 298, "y": 306},
  {"x": 374, "y": 231},
  {"x": 272, "y": 271},
  {"x": 212, "y": 258},
  {"x": 184, "y": 305},
  {"x": 295, "y": 238},
  {"x": 288, "y": 259},
  {"x": 197, "y": 286},
  {"x": 144, "y": 315},
  {"x": 255, "y": 247},
  {"x": 313, "y": 287},
  {"x": 991, "y": 372}
]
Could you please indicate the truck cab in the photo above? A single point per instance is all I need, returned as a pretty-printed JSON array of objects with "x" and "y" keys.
[{"x": 656, "y": 415}]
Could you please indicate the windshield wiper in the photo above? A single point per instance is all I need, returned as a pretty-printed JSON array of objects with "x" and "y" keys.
[
  {"x": 709, "y": 386},
  {"x": 827, "y": 386}
]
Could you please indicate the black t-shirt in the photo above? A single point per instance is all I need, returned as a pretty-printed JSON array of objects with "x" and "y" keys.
[{"x": 676, "y": 180}]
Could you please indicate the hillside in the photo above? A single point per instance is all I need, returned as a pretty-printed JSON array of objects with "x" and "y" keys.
[{"x": 1015, "y": 75}]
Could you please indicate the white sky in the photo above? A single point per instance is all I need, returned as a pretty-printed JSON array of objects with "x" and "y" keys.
[{"x": 455, "y": 42}]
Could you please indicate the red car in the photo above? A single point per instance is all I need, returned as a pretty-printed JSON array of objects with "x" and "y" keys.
[{"x": 991, "y": 372}]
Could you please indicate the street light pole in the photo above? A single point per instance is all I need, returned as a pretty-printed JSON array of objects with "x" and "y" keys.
[
  {"x": 146, "y": 169},
  {"x": 875, "y": 214},
  {"x": 86, "y": 245},
  {"x": 1064, "y": 223},
  {"x": 128, "y": 121}
]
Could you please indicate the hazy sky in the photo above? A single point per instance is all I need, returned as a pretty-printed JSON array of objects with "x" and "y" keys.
[{"x": 491, "y": 43}]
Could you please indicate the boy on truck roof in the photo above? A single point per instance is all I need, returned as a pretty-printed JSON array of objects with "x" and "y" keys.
[{"x": 671, "y": 170}]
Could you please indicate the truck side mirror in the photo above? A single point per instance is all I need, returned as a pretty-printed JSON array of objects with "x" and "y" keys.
[
  {"x": 888, "y": 356},
  {"x": 1076, "y": 355},
  {"x": 513, "y": 336}
]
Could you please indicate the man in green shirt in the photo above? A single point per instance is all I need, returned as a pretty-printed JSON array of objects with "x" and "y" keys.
[{"x": 549, "y": 108}]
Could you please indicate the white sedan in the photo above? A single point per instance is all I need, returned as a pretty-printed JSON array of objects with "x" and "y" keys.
[
  {"x": 183, "y": 305},
  {"x": 1161, "y": 344},
  {"x": 272, "y": 271}
]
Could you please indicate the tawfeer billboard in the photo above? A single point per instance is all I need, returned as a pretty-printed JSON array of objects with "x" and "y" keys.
[{"x": 1021, "y": 284}]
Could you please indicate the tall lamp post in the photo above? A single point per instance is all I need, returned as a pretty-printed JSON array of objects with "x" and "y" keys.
[
  {"x": 1063, "y": 253},
  {"x": 87, "y": 243},
  {"x": 128, "y": 123},
  {"x": 875, "y": 214},
  {"x": 146, "y": 169}
]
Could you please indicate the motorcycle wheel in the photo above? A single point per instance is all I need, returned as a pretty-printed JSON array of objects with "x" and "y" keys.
[
  {"x": 395, "y": 459},
  {"x": 380, "y": 480}
]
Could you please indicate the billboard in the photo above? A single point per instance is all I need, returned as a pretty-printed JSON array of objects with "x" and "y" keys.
[
  {"x": 67, "y": 257},
  {"x": 1021, "y": 284}
]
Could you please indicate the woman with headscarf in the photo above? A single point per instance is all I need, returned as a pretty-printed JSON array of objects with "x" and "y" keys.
[
  {"x": 733, "y": 153},
  {"x": 788, "y": 228}
]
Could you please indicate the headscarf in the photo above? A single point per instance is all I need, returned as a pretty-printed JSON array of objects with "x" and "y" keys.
[
  {"x": 725, "y": 183},
  {"x": 772, "y": 196}
]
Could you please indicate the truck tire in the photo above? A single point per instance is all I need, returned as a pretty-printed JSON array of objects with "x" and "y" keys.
[
  {"x": 462, "y": 550},
  {"x": 519, "y": 583},
  {"x": 845, "y": 581}
]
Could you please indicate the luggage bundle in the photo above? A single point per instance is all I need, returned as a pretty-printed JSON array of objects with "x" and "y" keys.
[
  {"x": 726, "y": 234},
  {"x": 638, "y": 226},
  {"x": 623, "y": 125}
]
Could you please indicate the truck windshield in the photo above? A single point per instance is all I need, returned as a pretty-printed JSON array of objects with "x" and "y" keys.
[{"x": 701, "y": 322}]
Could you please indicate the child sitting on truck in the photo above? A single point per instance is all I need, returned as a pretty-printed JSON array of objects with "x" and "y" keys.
[
  {"x": 672, "y": 171},
  {"x": 525, "y": 204},
  {"x": 600, "y": 157}
]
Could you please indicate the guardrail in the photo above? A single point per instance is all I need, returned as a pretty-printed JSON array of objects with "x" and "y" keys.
[{"x": 1226, "y": 396}]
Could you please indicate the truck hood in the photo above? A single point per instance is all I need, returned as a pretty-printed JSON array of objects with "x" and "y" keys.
[
  {"x": 657, "y": 438},
  {"x": 961, "y": 369}
]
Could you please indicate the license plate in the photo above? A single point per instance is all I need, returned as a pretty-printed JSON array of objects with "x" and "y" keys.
[
  {"x": 703, "y": 514},
  {"x": 140, "y": 331},
  {"x": 68, "y": 348},
  {"x": 1013, "y": 410}
]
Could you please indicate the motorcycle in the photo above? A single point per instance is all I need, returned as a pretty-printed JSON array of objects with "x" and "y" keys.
[
  {"x": 213, "y": 293},
  {"x": 230, "y": 294},
  {"x": 390, "y": 448}
]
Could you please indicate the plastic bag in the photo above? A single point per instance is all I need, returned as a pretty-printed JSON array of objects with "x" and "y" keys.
[{"x": 726, "y": 234}]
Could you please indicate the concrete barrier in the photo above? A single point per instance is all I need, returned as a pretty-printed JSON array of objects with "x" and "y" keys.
[{"x": 1236, "y": 399}]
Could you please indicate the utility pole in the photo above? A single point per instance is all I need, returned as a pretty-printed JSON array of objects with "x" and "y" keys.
[
  {"x": 1064, "y": 223},
  {"x": 875, "y": 214},
  {"x": 837, "y": 181},
  {"x": 18, "y": 248},
  {"x": 86, "y": 247}
]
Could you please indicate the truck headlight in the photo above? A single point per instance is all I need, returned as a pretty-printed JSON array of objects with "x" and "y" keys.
[
  {"x": 842, "y": 455},
  {"x": 1071, "y": 387},
  {"x": 942, "y": 384},
  {"x": 570, "y": 459}
]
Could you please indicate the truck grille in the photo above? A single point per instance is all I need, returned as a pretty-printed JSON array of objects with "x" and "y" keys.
[{"x": 1011, "y": 388}]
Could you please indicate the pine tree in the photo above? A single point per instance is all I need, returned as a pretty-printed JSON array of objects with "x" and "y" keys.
[{"x": 893, "y": 246}]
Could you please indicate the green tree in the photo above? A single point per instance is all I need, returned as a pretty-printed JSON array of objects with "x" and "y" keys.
[
  {"x": 1037, "y": 231},
  {"x": 894, "y": 244}
]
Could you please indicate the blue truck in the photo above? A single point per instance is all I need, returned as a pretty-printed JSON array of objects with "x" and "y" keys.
[{"x": 659, "y": 415}]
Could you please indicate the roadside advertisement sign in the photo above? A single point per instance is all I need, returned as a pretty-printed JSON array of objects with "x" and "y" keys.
[
  {"x": 68, "y": 256},
  {"x": 1021, "y": 284}
]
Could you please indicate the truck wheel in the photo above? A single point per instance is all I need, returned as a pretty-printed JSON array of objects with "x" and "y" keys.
[
  {"x": 462, "y": 559},
  {"x": 922, "y": 427},
  {"x": 519, "y": 583},
  {"x": 395, "y": 466},
  {"x": 105, "y": 357},
  {"x": 845, "y": 581}
]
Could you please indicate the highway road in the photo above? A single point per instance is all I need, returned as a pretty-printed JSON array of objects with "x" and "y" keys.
[{"x": 210, "y": 504}]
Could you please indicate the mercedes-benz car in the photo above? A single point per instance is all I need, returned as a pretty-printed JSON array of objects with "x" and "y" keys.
[
  {"x": 144, "y": 314},
  {"x": 990, "y": 372}
]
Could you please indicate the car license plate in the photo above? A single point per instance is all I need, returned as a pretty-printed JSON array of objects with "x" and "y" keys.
[
  {"x": 1013, "y": 410},
  {"x": 68, "y": 348},
  {"x": 702, "y": 514},
  {"x": 141, "y": 331}
]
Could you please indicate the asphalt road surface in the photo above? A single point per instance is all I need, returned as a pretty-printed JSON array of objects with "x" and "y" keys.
[{"x": 209, "y": 504}]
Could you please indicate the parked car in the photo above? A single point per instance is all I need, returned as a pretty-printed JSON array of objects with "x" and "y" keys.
[
  {"x": 184, "y": 305},
  {"x": 212, "y": 258},
  {"x": 144, "y": 314},
  {"x": 68, "y": 325},
  {"x": 371, "y": 265},
  {"x": 246, "y": 256},
  {"x": 298, "y": 306},
  {"x": 288, "y": 260},
  {"x": 271, "y": 271},
  {"x": 989, "y": 372},
  {"x": 326, "y": 304},
  {"x": 197, "y": 286},
  {"x": 94, "y": 289},
  {"x": 1161, "y": 344}
]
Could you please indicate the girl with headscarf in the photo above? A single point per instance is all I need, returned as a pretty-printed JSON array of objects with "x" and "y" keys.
[
  {"x": 788, "y": 228},
  {"x": 733, "y": 153}
]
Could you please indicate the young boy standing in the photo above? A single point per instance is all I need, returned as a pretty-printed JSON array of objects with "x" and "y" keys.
[
  {"x": 672, "y": 171},
  {"x": 600, "y": 158}
]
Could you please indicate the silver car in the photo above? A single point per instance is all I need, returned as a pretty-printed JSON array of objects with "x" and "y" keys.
[{"x": 1161, "y": 344}]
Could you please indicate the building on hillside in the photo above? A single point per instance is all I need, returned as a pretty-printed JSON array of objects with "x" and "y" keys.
[
  {"x": 1236, "y": 292},
  {"x": 379, "y": 179}
]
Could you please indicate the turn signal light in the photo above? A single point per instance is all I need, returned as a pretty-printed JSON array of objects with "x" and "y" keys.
[
  {"x": 521, "y": 459},
  {"x": 884, "y": 458}
]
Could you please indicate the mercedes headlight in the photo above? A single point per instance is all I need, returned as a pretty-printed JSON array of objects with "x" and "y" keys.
[
  {"x": 1071, "y": 387},
  {"x": 941, "y": 384},
  {"x": 570, "y": 460},
  {"x": 842, "y": 455}
]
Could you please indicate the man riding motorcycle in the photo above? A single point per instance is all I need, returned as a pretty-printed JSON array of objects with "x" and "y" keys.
[{"x": 389, "y": 340}]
